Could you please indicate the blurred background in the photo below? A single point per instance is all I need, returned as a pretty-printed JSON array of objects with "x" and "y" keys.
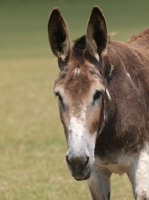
[{"x": 32, "y": 143}]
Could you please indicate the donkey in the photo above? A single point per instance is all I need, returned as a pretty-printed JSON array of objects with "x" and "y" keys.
[{"x": 103, "y": 91}]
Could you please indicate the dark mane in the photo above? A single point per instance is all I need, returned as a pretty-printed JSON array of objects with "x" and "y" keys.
[
  {"x": 80, "y": 43},
  {"x": 79, "y": 46}
]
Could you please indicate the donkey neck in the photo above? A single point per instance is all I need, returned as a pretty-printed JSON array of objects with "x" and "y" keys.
[{"x": 125, "y": 129}]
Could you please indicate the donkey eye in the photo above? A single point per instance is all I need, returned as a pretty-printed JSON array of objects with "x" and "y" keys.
[
  {"x": 60, "y": 99},
  {"x": 96, "y": 95}
]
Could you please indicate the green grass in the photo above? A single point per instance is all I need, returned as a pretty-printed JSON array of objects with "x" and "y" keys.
[{"x": 32, "y": 143}]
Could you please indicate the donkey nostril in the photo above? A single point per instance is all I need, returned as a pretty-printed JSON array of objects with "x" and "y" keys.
[
  {"x": 77, "y": 160},
  {"x": 87, "y": 161},
  {"x": 67, "y": 159}
]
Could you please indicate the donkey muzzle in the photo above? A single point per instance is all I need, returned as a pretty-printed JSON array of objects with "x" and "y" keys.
[{"x": 78, "y": 165}]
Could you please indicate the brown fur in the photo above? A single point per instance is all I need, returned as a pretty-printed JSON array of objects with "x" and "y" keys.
[
  {"x": 119, "y": 73},
  {"x": 126, "y": 128}
]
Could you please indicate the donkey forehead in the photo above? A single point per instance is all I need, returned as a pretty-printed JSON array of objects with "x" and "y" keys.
[{"x": 78, "y": 79}]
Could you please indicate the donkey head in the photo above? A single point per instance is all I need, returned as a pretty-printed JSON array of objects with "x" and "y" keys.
[{"x": 80, "y": 88}]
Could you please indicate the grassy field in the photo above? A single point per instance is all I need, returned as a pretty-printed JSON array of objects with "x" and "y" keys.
[{"x": 32, "y": 143}]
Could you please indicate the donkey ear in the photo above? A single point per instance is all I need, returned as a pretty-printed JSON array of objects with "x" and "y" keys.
[
  {"x": 58, "y": 35},
  {"x": 96, "y": 34}
]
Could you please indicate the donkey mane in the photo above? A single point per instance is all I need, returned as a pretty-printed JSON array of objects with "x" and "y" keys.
[{"x": 80, "y": 43}]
